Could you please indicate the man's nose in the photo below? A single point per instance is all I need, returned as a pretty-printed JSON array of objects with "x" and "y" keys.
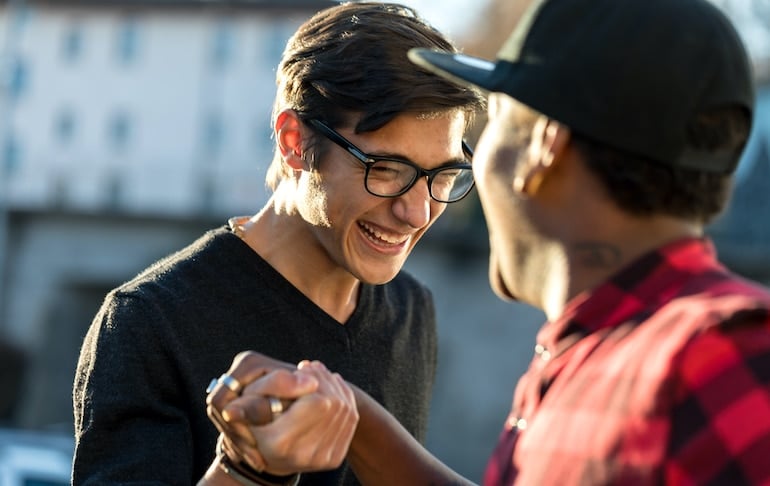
[{"x": 414, "y": 206}]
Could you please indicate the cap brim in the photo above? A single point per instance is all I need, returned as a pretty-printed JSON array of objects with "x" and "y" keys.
[{"x": 459, "y": 68}]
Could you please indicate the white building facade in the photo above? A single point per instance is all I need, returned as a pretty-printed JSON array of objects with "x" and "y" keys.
[{"x": 140, "y": 107}]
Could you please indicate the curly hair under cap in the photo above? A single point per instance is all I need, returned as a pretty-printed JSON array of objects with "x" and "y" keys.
[
  {"x": 644, "y": 187},
  {"x": 348, "y": 65}
]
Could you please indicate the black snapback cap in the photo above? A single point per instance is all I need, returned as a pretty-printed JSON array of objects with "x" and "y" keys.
[{"x": 628, "y": 73}]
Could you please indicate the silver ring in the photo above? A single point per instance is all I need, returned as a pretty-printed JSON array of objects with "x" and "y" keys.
[
  {"x": 231, "y": 383},
  {"x": 276, "y": 407},
  {"x": 212, "y": 384}
]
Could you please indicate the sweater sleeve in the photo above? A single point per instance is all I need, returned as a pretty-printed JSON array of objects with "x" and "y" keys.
[{"x": 130, "y": 421}]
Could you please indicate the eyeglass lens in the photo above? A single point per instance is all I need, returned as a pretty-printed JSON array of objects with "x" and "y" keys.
[{"x": 393, "y": 177}]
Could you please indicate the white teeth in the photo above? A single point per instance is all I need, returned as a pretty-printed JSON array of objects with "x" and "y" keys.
[{"x": 393, "y": 240}]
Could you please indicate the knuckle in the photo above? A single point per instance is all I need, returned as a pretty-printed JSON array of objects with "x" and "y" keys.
[
  {"x": 283, "y": 377},
  {"x": 326, "y": 404},
  {"x": 319, "y": 365},
  {"x": 242, "y": 356}
]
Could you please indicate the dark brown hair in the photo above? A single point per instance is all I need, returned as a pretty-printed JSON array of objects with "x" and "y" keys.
[
  {"x": 351, "y": 60},
  {"x": 645, "y": 187}
]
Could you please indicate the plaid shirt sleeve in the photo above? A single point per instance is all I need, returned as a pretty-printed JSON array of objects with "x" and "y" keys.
[{"x": 721, "y": 421}]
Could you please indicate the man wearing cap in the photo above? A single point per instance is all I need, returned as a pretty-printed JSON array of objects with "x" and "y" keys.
[{"x": 614, "y": 128}]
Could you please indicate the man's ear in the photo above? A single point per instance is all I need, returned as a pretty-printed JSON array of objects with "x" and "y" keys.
[
  {"x": 546, "y": 150},
  {"x": 555, "y": 139},
  {"x": 288, "y": 134}
]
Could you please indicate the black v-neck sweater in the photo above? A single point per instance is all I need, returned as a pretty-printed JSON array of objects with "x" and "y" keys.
[{"x": 159, "y": 339}]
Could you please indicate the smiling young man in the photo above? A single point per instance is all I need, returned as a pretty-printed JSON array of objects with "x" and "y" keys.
[{"x": 369, "y": 150}]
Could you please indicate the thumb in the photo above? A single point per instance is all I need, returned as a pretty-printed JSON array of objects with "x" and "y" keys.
[{"x": 253, "y": 405}]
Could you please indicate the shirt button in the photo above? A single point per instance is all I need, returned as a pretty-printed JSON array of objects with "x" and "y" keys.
[
  {"x": 543, "y": 352},
  {"x": 517, "y": 422}
]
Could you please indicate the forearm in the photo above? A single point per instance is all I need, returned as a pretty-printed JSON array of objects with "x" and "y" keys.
[{"x": 383, "y": 452}]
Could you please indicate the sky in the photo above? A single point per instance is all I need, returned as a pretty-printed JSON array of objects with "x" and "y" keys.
[
  {"x": 449, "y": 16},
  {"x": 751, "y": 17}
]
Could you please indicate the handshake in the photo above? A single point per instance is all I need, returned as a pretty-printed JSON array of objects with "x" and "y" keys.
[{"x": 277, "y": 420}]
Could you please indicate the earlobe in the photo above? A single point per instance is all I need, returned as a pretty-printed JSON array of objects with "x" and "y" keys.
[
  {"x": 288, "y": 134},
  {"x": 528, "y": 184}
]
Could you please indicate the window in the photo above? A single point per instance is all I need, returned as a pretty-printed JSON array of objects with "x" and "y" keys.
[
  {"x": 119, "y": 130},
  {"x": 18, "y": 78},
  {"x": 114, "y": 189},
  {"x": 64, "y": 126},
  {"x": 127, "y": 41},
  {"x": 72, "y": 43},
  {"x": 11, "y": 154},
  {"x": 222, "y": 44},
  {"x": 213, "y": 133}
]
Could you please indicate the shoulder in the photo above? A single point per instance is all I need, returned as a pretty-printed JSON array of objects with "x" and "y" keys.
[
  {"x": 715, "y": 300},
  {"x": 205, "y": 251},
  {"x": 725, "y": 344},
  {"x": 212, "y": 254},
  {"x": 175, "y": 281}
]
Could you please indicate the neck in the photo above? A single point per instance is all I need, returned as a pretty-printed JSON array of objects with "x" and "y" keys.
[
  {"x": 285, "y": 241},
  {"x": 589, "y": 260}
]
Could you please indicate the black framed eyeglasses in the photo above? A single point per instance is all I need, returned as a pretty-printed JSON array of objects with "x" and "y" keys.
[{"x": 392, "y": 177}]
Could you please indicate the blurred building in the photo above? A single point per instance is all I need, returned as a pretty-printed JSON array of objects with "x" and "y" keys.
[
  {"x": 742, "y": 232},
  {"x": 126, "y": 128},
  {"x": 141, "y": 107}
]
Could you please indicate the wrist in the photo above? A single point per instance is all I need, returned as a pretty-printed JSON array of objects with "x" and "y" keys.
[{"x": 247, "y": 475}]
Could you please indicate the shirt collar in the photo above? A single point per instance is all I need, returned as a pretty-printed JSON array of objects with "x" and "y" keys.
[{"x": 644, "y": 283}]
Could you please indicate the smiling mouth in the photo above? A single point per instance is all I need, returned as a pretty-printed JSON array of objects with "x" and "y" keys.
[{"x": 381, "y": 238}]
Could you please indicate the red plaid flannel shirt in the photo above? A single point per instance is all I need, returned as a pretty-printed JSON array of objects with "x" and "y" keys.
[{"x": 659, "y": 376}]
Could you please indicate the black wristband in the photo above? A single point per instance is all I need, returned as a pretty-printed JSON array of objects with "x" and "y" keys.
[{"x": 249, "y": 476}]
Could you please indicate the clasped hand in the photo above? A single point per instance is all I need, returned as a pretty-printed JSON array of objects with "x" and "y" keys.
[{"x": 312, "y": 433}]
